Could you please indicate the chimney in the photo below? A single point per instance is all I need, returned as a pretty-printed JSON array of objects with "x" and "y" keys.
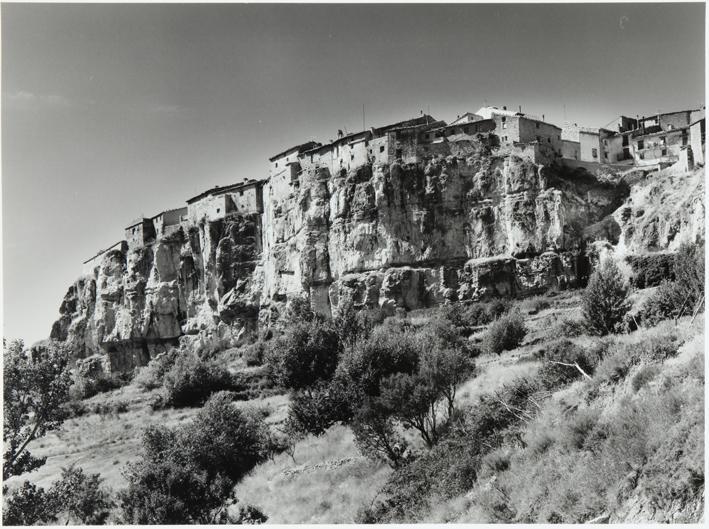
[
  {"x": 339, "y": 133},
  {"x": 504, "y": 108},
  {"x": 542, "y": 116},
  {"x": 520, "y": 109}
]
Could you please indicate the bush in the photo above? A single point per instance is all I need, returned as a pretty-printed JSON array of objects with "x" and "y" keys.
[
  {"x": 317, "y": 408},
  {"x": 82, "y": 497},
  {"x": 191, "y": 380},
  {"x": 504, "y": 334},
  {"x": 28, "y": 505},
  {"x": 560, "y": 362},
  {"x": 645, "y": 375},
  {"x": 682, "y": 296},
  {"x": 152, "y": 375},
  {"x": 605, "y": 300},
  {"x": 254, "y": 354},
  {"x": 187, "y": 474},
  {"x": 651, "y": 270},
  {"x": 307, "y": 352}
]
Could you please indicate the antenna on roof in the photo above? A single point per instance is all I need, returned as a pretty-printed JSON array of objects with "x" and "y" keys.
[{"x": 363, "y": 128}]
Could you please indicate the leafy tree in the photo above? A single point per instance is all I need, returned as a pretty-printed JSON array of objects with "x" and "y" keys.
[
  {"x": 605, "y": 300},
  {"x": 306, "y": 353},
  {"x": 36, "y": 385},
  {"x": 187, "y": 474},
  {"x": 81, "y": 497},
  {"x": 28, "y": 505}
]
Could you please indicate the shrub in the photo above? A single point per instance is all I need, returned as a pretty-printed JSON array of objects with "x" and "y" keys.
[
  {"x": 651, "y": 270},
  {"x": 644, "y": 376},
  {"x": 682, "y": 296},
  {"x": 317, "y": 408},
  {"x": 187, "y": 474},
  {"x": 28, "y": 505},
  {"x": 152, "y": 375},
  {"x": 82, "y": 497},
  {"x": 254, "y": 354},
  {"x": 504, "y": 334},
  {"x": 250, "y": 515},
  {"x": 191, "y": 380},
  {"x": 306, "y": 353},
  {"x": 560, "y": 362},
  {"x": 605, "y": 300}
]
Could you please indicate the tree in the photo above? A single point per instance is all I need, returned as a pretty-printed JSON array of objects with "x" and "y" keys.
[
  {"x": 306, "y": 353},
  {"x": 36, "y": 385},
  {"x": 28, "y": 505},
  {"x": 187, "y": 474},
  {"x": 605, "y": 300},
  {"x": 82, "y": 497}
]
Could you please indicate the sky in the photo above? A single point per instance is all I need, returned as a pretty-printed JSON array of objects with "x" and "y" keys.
[{"x": 113, "y": 111}]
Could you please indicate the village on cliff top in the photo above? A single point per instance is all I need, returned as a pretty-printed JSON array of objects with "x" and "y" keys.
[{"x": 673, "y": 139}]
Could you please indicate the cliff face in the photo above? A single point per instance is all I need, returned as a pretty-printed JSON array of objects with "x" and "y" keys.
[
  {"x": 395, "y": 236},
  {"x": 662, "y": 212},
  {"x": 202, "y": 280},
  {"x": 411, "y": 236}
]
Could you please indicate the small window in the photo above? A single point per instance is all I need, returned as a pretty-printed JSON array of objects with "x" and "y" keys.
[
  {"x": 663, "y": 140},
  {"x": 504, "y": 119},
  {"x": 351, "y": 156},
  {"x": 504, "y": 125},
  {"x": 241, "y": 193},
  {"x": 641, "y": 144},
  {"x": 276, "y": 164},
  {"x": 399, "y": 153},
  {"x": 594, "y": 153},
  {"x": 218, "y": 210},
  {"x": 641, "y": 156},
  {"x": 381, "y": 149},
  {"x": 664, "y": 152},
  {"x": 548, "y": 140}
]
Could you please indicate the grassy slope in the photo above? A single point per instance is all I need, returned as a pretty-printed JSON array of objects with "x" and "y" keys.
[{"x": 328, "y": 480}]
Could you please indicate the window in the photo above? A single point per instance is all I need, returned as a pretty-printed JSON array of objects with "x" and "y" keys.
[
  {"x": 605, "y": 155},
  {"x": 381, "y": 149},
  {"x": 504, "y": 125},
  {"x": 684, "y": 138},
  {"x": 664, "y": 152},
  {"x": 641, "y": 155},
  {"x": 605, "y": 142},
  {"x": 663, "y": 140},
  {"x": 504, "y": 119},
  {"x": 548, "y": 140},
  {"x": 276, "y": 164},
  {"x": 594, "y": 153},
  {"x": 241, "y": 193},
  {"x": 641, "y": 144},
  {"x": 217, "y": 210},
  {"x": 351, "y": 156},
  {"x": 398, "y": 153},
  {"x": 537, "y": 124}
]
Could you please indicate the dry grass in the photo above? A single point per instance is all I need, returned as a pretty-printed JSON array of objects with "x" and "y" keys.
[{"x": 327, "y": 483}]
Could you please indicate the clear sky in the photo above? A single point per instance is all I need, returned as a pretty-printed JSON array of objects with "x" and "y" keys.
[{"x": 112, "y": 111}]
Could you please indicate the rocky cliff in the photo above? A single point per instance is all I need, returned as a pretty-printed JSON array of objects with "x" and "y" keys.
[{"x": 474, "y": 224}]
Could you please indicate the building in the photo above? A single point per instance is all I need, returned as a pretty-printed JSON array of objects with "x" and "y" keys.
[
  {"x": 287, "y": 161},
  {"x": 468, "y": 117},
  {"x": 697, "y": 133},
  {"x": 168, "y": 221},
  {"x": 140, "y": 232},
  {"x": 244, "y": 198},
  {"x": 90, "y": 265}
]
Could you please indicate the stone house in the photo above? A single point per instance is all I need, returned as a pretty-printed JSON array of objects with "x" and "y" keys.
[
  {"x": 89, "y": 265},
  {"x": 697, "y": 133},
  {"x": 168, "y": 221},
  {"x": 140, "y": 232},
  {"x": 244, "y": 197}
]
